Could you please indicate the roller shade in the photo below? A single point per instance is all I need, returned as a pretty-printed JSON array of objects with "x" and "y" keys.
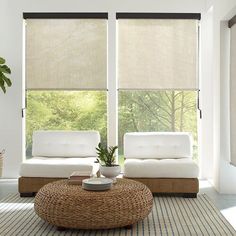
[
  {"x": 66, "y": 54},
  {"x": 158, "y": 54},
  {"x": 232, "y": 93}
]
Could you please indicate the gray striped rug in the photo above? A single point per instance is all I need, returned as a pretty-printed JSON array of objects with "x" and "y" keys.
[{"x": 170, "y": 216}]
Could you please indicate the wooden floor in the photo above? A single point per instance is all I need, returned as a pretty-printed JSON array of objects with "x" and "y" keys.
[{"x": 225, "y": 203}]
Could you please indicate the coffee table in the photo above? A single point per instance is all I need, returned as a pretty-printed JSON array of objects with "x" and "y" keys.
[{"x": 70, "y": 206}]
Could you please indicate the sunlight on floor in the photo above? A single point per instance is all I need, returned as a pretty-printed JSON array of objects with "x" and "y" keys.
[
  {"x": 230, "y": 214},
  {"x": 9, "y": 207},
  {"x": 204, "y": 184}
]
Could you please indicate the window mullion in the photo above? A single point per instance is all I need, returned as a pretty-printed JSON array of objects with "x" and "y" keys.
[{"x": 112, "y": 83}]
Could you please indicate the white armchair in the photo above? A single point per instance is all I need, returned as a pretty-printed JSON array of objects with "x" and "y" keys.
[
  {"x": 161, "y": 160},
  {"x": 56, "y": 154}
]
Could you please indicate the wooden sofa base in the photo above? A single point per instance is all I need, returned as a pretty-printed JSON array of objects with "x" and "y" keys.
[
  {"x": 28, "y": 186},
  {"x": 185, "y": 187}
]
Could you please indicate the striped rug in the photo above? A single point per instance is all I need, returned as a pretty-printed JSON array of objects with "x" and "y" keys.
[{"x": 170, "y": 216}]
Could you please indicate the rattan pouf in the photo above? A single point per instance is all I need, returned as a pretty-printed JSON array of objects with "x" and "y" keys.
[{"x": 70, "y": 206}]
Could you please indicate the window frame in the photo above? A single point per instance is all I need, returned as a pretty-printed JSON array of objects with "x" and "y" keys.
[{"x": 112, "y": 80}]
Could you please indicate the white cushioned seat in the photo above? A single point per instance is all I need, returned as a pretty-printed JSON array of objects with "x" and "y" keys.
[
  {"x": 161, "y": 168},
  {"x": 56, "y": 154},
  {"x": 56, "y": 167},
  {"x": 159, "y": 155}
]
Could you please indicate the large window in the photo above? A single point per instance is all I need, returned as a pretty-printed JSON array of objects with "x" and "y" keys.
[
  {"x": 157, "y": 73},
  {"x": 66, "y": 73}
]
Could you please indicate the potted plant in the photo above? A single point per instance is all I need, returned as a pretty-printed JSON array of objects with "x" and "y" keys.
[
  {"x": 4, "y": 69},
  {"x": 106, "y": 158}
]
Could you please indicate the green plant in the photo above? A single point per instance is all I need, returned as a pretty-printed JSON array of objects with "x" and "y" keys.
[
  {"x": 4, "y": 69},
  {"x": 106, "y": 155}
]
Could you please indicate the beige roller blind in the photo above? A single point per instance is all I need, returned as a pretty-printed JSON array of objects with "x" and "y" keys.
[
  {"x": 66, "y": 54},
  {"x": 233, "y": 94},
  {"x": 158, "y": 54}
]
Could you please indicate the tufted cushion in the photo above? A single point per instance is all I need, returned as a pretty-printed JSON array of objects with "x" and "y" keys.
[
  {"x": 65, "y": 143},
  {"x": 157, "y": 145}
]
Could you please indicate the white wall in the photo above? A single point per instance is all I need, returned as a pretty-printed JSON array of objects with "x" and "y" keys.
[
  {"x": 11, "y": 126},
  {"x": 227, "y": 171},
  {"x": 224, "y": 173},
  {"x": 206, "y": 95}
]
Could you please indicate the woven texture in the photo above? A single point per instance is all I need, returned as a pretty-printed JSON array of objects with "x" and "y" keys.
[
  {"x": 70, "y": 206},
  {"x": 176, "y": 185},
  {"x": 170, "y": 216},
  {"x": 170, "y": 185}
]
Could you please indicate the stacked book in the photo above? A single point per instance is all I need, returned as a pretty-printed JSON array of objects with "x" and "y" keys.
[{"x": 77, "y": 177}]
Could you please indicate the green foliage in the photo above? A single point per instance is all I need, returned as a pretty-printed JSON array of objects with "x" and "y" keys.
[
  {"x": 4, "y": 80},
  {"x": 106, "y": 155},
  {"x": 157, "y": 111},
  {"x": 87, "y": 110},
  {"x": 65, "y": 110}
]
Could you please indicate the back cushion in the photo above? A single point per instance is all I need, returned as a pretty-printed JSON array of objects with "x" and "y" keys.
[
  {"x": 157, "y": 145},
  {"x": 65, "y": 143}
]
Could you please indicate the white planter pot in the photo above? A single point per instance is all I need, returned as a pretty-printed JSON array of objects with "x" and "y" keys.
[{"x": 110, "y": 172}]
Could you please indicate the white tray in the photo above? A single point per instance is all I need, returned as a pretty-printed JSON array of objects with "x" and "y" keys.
[{"x": 97, "y": 184}]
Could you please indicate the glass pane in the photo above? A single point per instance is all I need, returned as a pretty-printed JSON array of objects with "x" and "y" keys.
[
  {"x": 157, "y": 111},
  {"x": 65, "y": 110}
]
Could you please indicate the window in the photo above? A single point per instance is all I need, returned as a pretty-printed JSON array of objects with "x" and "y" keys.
[
  {"x": 157, "y": 73},
  {"x": 65, "y": 110},
  {"x": 66, "y": 73},
  {"x": 157, "y": 111},
  {"x": 232, "y": 26}
]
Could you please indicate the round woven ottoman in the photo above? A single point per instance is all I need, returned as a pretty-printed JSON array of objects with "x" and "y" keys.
[{"x": 70, "y": 206}]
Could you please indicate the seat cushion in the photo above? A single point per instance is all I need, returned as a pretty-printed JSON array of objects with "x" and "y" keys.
[
  {"x": 161, "y": 168},
  {"x": 157, "y": 145},
  {"x": 65, "y": 143},
  {"x": 56, "y": 167}
]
